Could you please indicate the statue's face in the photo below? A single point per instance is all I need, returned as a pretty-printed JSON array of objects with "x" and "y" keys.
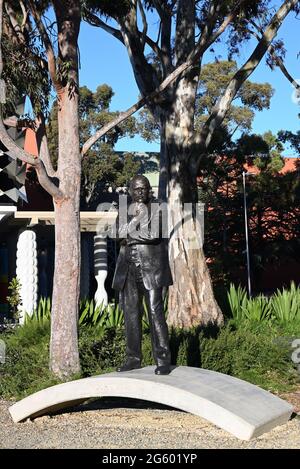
[{"x": 140, "y": 192}]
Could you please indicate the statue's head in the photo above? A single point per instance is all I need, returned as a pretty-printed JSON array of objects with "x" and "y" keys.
[{"x": 140, "y": 189}]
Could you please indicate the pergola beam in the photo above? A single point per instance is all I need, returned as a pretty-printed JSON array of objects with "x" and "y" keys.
[{"x": 89, "y": 221}]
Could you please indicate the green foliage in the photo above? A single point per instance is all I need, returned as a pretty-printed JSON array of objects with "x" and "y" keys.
[
  {"x": 214, "y": 79},
  {"x": 25, "y": 74},
  {"x": 259, "y": 352},
  {"x": 115, "y": 9},
  {"x": 42, "y": 314},
  {"x": 257, "y": 96},
  {"x": 237, "y": 298},
  {"x": 254, "y": 355},
  {"x": 293, "y": 139},
  {"x": 115, "y": 316},
  {"x": 282, "y": 307},
  {"x": 101, "y": 353},
  {"x": 63, "y": 68},
  {"x": 102, "y": 167},
  {"x": 257, "y": 309},
  {"x": 272, "y": 207},
  {"x": 286, "y": 304},
  {"x": 272, "y": 162},
  {"x": 27, "y": 356},
  {"x": 14, "y": 299},
  {"x": 90, "y": 315},
  {"x": 109, "y": 317}
]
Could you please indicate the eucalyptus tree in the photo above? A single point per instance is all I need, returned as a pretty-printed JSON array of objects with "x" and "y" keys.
[
  {"x": 41, "y": 55},
  {"x": 186, "y": 30},
  {"x": 103, "y": 168},
  {"x": 51, "y": 51}
]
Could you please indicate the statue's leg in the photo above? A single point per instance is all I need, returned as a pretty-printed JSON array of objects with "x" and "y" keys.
[
  {"x": 158, "y": 327},
  {"x": 131, "y": 303}
]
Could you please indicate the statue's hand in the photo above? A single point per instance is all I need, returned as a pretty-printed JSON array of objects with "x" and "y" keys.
[
  {"x": 142, "y": 209},
  {"x": 138, "y": 210}
]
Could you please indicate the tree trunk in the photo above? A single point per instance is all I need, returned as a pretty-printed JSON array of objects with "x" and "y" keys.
[
  {"x": 191, "y": 298},
  {"x": 64, "y": 356}
]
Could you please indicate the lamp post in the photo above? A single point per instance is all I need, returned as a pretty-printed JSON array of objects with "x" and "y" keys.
[{"x": 247, "y": 234}]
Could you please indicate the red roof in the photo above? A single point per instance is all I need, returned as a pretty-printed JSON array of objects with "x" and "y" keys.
[
  {"x": 290, "y": 165},
  {"x": 30, "y": 144}
]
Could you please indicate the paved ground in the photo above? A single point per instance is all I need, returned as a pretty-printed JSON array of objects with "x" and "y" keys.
[{"x": 114, "y": 423}]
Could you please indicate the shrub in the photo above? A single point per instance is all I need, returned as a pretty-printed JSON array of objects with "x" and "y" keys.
[
  {"x": 282, "y": 307},
  {"x": 253, "y": 354},
  {"x": 257, "y": 309},
  {"x": 257, "y": 351},
  {"x": 286, "y": 304},
  {"x": 100, "y": 352},
  {"x": 237, "y": 299},
  {"x": 27, "y": 358},
  {"x": 14, "y": 299}
]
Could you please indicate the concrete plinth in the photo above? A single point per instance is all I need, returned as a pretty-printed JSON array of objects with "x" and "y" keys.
[{"x": 234, "y": 405}]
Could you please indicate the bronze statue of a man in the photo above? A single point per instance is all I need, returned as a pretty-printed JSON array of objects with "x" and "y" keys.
[{"x": 142, "y": 271}]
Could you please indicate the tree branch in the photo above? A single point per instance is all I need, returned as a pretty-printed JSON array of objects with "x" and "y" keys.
[
  {"x": 145, "y": 73},
  {"x": 14, "y": 23},
  {"x": 47, "y": 184},
  {"x": 12, "y": 147},
  {"x": 277, "y": 60},
  {"x": 37, "y": 163},
  {"x": 42, "y": 144},
  {"x": 193, "y": 57},
  {"x": 207, "y": 38},
  {"x": 280, "y": 64},
  {"x": 145, "y": 24},
  {"x": 48, "y": 46},
  {"x": 208, "y": 28},
  {"x": 166, "y": 28},
  {"x": 94, "y": 20},
  {"x": 220, "y": 109},
  {"x": 25, "y": 13}
]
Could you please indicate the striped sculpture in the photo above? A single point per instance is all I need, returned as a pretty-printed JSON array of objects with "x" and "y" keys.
[{"x": 100, "y": 268}]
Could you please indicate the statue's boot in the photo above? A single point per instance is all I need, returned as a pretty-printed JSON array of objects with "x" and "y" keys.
[{"x": 130, "y": 364}]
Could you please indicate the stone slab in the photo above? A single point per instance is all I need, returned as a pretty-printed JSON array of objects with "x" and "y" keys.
[{"x": 241, "y": 408}]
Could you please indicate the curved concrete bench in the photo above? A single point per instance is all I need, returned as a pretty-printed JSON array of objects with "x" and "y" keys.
[{"x": 234, "y": 405}]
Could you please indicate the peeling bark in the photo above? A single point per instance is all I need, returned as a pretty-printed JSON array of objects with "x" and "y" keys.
[
  {"x": 64, "y": 355},
  {"x": 191, "y": 298}
]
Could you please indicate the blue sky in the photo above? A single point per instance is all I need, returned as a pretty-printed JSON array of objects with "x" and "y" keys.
[{"x": 104, "y": 60}]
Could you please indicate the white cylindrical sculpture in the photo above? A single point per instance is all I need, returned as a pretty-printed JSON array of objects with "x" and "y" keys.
[
  {"x": 27, "y": 272},
  {"x": 100, "y": 269}
]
